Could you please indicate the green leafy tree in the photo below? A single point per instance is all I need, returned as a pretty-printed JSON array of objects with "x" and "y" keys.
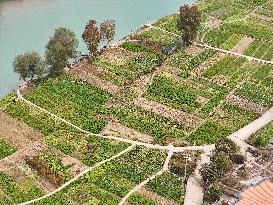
[
  {"x": 189, "y": 22},
  {"x": 91, "y": 36},
  {"x": 61, "y": 47},
  {"x": 29, "y": 66},
  {"x": 107, "y": 31}
]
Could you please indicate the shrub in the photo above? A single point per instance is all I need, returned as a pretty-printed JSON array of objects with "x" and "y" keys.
[
  {"x": 237, "y": 159},
  {"x": 226, "y": 145},
  {"x": 210, "y": 174},
  {"x": 221, "y": 161},
  {"x": 213, "y": 193}
]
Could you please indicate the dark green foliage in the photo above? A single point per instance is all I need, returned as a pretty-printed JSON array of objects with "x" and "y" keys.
[
  {"x": 29, "y": 66},
  {"x": 60, "y": 49}
]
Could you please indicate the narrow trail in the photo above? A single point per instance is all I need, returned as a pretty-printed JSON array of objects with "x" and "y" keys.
[
  {"x": 78, "y": 176},
  {"x": 152, "y": 146},
  {"x": 136, "y": 188},
  {"x": 250, "y": 58},
  {"x": 238, "y": 137}
]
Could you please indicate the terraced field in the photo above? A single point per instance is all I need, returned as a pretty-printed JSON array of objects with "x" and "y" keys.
[{"x": 136, "y": 91}]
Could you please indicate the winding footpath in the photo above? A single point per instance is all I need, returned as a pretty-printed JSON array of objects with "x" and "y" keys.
[
  {"x": 78, "y": 176},
  {"x": 194, "y": 185},
  {"x": 250, "y": 58}
]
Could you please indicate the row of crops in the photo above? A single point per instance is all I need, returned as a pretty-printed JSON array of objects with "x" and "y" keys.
[{"x": 107, "y": 184}]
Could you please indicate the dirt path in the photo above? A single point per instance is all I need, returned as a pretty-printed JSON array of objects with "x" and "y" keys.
[
  {"x": 78, "y": 176},
  {"x": 17, "y": 133},
  {"x": 241, "y": 135},
  {"x": 262, "y": 17},
  {"x": 142, "y": 184},
  {"x": 194, "y": 190},
  {"x": 250, "y": 58}
]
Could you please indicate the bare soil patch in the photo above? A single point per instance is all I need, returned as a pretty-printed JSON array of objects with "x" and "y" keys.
[
  {"x": 117, "y": 129},
  {"x": 141, "y": 84},
  {"x": 88, "y": 73},
  {"x": 76, "y": 165},
  {"x": 16, "y": 167},
  {"x": 202, "y": 100},
  {"x": 118, "y": 55},
  {"x": 242, "y": 45},
  {"x": 219, "y": 79},
  {"x": 262, "y": 17},
  {"x": 245, "y": 104},
  {"x": 170, "y": 113},
  {"x": 17, "y": 133},
  {"x": 213, "y": 23},
  {"x": 155, "y": 197},
  {"x": 193, "y": 50}
]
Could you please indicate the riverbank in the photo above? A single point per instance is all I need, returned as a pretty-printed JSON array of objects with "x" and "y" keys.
[{"x": 43, "y": 17}]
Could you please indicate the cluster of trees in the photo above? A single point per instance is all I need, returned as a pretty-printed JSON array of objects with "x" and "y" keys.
[
  {"x": 222, "y": 161},
  {"x": 61, "y": 48},
  {"x": 63, "y": 45}
]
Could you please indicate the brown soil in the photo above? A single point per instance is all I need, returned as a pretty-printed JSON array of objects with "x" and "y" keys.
[
  {"x": 117, "y": 129},
  {"x": 88, "y": 73},
  {"x": 219, "y": 79},
  {"x": 15, "y": 166},
  {"x": 165, "y": 111},
  {"x": 16, "y": 132},
  {"x": 245, "y": 104},
  {"x": 153, "y": 196},
  {"x": 202, "y": 100},
  {"x": 193, "y": 50},
  {"x": 77, "y": 167},
  {"x": 118, "y": 55},
  {"x": 262, "y": 17},
  {"x": 242, "y": 45}
]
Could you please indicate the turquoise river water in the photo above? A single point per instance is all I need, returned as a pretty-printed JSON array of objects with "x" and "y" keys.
[{"x": 26, "y": 25}]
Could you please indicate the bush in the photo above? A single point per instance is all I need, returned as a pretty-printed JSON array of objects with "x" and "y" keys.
[
  {"x": 221, "y": 161},
  {"x": 210, "y": 174},
  {"x": 237, "y": 159},
  {"x": 213, "y": 193},
  {"x": 226, "y": 145}
]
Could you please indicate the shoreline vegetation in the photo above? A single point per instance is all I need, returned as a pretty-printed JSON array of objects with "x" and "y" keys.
[{"x": 156, "y": 86}]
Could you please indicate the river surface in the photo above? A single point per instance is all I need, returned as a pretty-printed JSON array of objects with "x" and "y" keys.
[{"x": 26, "y": 25}]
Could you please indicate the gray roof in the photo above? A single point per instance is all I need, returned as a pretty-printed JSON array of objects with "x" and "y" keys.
[{"x": 271, "y": 141}]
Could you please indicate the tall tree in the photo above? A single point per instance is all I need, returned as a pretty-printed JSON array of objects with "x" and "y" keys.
[
  {"x": 61, "y": 47},
  {"x": 189, "y": 22},
  {"x": 107, "y": 31},
  {"x": 29, "y": 66},
  {"x": 91, "y": 36}
]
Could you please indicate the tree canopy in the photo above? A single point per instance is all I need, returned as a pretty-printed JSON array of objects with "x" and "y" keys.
[
  {"x": 61, "y": 47},
  {"x": 107, "y": 31},
  {"x": 189, "y": 22},
  {"x": 29, "y": 66},
  {"x": 91, "y": 36}
]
